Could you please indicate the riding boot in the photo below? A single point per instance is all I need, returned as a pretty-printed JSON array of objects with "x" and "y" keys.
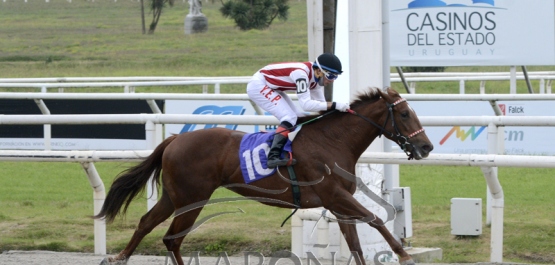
[{"x": 274, "y": 156}]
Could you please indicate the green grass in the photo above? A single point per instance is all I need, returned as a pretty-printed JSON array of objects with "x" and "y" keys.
[
  {"x": 47, "y": 205},
  {"x": 529, "y": 212},
  {"x": 104, "y": 38}
]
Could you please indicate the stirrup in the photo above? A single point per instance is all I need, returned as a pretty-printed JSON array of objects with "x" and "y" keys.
[{"x": 281, "y": 162}]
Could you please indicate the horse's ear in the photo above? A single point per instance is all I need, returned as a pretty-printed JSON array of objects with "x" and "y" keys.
[
  {"x": 392, "y": 92},
  {"x": 383, "y": 92}
]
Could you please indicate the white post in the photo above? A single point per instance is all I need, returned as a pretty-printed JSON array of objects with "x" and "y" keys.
[
  {"x": 99, "y": 196},
  {"x": 323, "y": 237},
  {"x": 513, "y": 80},
  {"x": 151, "y": 193},
  {"x": 390, "y": 179},
  {"x": 497, "y": 203},
  {"x": 461, "y": 87},
  {"x": 492, "y": 149},
  {"x": 366, "y": 69},
  {"x": 296, "y": 235},
  {"x": 315, "y": 24},
  {"x": 47, "y": 128}
]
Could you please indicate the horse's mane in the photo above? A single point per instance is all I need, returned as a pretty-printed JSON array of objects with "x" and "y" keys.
[{"x": 363, "y": 98}]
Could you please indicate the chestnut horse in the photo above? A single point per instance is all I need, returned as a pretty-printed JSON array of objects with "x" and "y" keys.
[{"x": 194, "y": 164}]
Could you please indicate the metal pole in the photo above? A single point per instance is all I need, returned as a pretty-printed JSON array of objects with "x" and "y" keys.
[
  {"x": 403, "y": 80},
  {"x": 525, "y": 72}
]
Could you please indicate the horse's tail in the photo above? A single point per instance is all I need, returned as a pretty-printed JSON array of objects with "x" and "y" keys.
[{"x": 132, "y": 182}]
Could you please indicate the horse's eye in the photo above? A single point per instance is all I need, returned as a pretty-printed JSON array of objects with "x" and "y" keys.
[{"x": 404, "y": 114}]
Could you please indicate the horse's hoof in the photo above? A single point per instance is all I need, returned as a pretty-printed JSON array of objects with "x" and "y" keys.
[
  {"x": 108, "y": 261},
  {"x": 407, "y": 262}
]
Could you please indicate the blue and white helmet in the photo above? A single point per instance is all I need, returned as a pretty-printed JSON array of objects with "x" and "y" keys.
[{"x": 329, "y": 63}]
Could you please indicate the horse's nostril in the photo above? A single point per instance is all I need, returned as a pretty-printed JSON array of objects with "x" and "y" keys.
[{"x": 428, "y": 148}]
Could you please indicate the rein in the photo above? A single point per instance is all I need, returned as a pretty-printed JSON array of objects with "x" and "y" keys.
[
  {"x": 309, "y": 121},
  {"x": 401, "y": 140}
]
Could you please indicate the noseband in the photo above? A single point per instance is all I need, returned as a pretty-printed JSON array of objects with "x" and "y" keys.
[{"x": 400, "y": 139}]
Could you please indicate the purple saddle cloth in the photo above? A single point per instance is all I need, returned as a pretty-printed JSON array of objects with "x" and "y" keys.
[{"x": 253, "y": 154}]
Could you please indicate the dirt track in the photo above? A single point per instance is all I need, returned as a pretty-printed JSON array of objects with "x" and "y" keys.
[{"x": 65, "y": 258}]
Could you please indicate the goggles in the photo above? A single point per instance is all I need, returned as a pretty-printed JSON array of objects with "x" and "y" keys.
[{"x": 328, "y": 75}]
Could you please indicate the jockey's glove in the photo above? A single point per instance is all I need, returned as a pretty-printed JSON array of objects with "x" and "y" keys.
[{"x": 343, "y": 107}]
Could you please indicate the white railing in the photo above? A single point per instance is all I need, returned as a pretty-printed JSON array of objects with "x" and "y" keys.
[
  {"x": 86, "y": 158},
  {"x": 129, "y": 84},
  {"x": 484, "y": 161}
]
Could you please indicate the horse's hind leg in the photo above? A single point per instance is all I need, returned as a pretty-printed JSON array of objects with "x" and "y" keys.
[
  {"x": 179, "y": 228},
  {"x": 160, "y": 212}
]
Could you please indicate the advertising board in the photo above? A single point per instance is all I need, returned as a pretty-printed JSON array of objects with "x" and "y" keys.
[
  {"x": 211, "y": 108},
  {"x": 75, "y": 137},
  {"x": 449, "y": 140},
  {"x": 472, "y": 32},
  {"x": 519, "y": 140}
]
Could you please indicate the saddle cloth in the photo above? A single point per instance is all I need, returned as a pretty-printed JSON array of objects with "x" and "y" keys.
[{"x": 253, "y": 155}]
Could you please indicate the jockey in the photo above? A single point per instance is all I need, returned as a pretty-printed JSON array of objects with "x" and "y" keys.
[{"x": 267, "y": 89}]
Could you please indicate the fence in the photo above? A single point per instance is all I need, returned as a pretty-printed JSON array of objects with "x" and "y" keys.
[
  {"x": 87, "y": 158},
  {"x": 128, "y": 84}
]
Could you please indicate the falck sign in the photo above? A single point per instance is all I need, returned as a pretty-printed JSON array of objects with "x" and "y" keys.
[{"x": 472, "y": 32}]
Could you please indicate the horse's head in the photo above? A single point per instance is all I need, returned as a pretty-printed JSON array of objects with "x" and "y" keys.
[{"x": 403, "y": 126}]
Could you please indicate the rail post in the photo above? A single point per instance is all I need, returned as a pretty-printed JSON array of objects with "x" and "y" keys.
[
  {"x": 495, "y": 199},
  {"x": 99, "y": 196},
  {"x": 151, "y": 192}
]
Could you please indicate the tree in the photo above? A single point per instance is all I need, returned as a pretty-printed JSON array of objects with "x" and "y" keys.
[
  {"x": 254, "y": 14},
  {"x": 156, "y": 7}
]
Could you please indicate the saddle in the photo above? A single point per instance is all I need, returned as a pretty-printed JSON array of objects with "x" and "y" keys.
[{"x": 253, "y": 155}]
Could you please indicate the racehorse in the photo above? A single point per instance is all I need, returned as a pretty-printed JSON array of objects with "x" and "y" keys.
[{"x": 190, "y": 166}]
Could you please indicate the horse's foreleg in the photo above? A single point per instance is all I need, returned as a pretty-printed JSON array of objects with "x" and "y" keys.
[
  {"x": 405, "y": 258},
  {"x": 160, "y": 212},
  {"x": 345, "y": 204},
  {"x": 349, "y": 231}
]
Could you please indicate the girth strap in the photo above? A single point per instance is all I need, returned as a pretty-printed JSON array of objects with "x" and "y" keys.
[{"x": 296, "y": 192}]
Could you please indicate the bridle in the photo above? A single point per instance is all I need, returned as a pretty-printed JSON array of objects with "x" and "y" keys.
[{"x": 397, "y": 137}]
